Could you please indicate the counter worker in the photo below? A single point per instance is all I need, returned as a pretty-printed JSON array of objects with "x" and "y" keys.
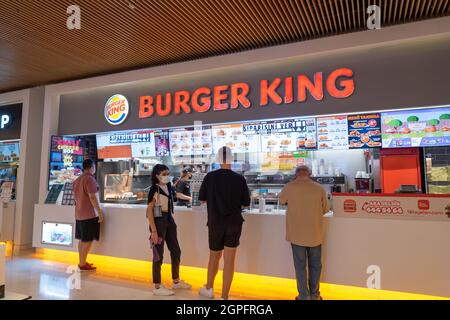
[
  {"x": 88, "y": 214},
  {"x": 183, "y": 188},
  {"x": 306, "y": 204}
]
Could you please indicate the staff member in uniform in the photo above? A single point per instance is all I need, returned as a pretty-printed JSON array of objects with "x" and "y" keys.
[
  {"x": 88, "y": 214},
  {"x": 163, "y": 230},
  {"x": 183, "y": 188}
]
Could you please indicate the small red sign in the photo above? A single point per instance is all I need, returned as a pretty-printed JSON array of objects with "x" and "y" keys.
[
  {"x": 349, "y": 205},
  {"x": 423, "y": 204}
]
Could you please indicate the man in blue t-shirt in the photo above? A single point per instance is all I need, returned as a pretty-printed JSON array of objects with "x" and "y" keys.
[{"x": 225, "y": 193}]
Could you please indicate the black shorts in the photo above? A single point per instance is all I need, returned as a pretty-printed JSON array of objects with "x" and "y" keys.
[
  {"x": 87, "y": 230},
  {"x": 227, "y": 235}
]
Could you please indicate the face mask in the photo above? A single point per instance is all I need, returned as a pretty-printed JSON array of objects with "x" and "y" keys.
[{"x": 164, "y": 179}]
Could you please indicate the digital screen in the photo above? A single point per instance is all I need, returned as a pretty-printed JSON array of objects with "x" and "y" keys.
[
  {"x": 162, "y": 145},
  {"x": 332, "y": 133},
  {"x": 60, "y": 234},
  {"x": 284, "y": 135},
  {"x": 232, "y": 136},
  {"x": 66, "y": 159},
  {"x": 364, "y": 131},
  {"x": 416, "y": 128},
  {"x": 126, "y": 144},
  {"x": 9, "y": 152}
]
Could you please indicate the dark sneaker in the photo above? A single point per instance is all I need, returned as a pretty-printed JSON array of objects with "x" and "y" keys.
[{"x": 87, "y": 267}]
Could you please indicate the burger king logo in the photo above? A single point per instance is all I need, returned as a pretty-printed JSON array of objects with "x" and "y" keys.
[{"x": 116, "y": 109}]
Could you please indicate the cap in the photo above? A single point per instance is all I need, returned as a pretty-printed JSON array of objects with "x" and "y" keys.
[{"x": 187, "y": 170}]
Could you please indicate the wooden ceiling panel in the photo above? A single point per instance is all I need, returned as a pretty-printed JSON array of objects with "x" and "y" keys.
[{"x": 36, "y": 48}]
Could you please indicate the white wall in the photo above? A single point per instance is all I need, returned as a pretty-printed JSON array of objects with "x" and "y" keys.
[{"x": 29, "y": 164}]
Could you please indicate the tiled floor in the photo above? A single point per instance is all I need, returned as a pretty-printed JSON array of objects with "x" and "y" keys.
[{"x": 48, "y": 280}]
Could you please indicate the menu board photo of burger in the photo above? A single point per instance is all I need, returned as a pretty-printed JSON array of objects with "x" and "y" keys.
[
  {"x": 364, "y": 131},
  {"x": 279, "y": 142},
  {"x": 416, "y": 128},
  {"x": 181, "y": 142},
  {"x": 307, "y": 134},
  {"x": 232, "y": 136},
  {"x": 332, "y": 133},
  {"x": 202, "y": 141}
]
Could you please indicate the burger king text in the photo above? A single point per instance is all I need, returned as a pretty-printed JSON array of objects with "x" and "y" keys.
[{"x": 338, "y": 84}]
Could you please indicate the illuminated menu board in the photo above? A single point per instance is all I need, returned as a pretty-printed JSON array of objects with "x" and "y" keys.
[
  {"x": 126, "y": 144},
  {"x": 285, "y": 135},
  {"x": 332, "y": 133},
  {"x": 162, "y": 145},
  {"x": 190, "y": 141},
  {"x": 233, "y": 137},
  {"x": 66, "y": 159},
  {"x": 364, "y": 131},
  {"x": 416, "y": 128},
  {"x": 180, "y": 142},
  {"x": 9, "y": 152}
]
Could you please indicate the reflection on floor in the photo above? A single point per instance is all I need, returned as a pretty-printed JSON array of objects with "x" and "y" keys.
[{"x": 43, "y": 276}]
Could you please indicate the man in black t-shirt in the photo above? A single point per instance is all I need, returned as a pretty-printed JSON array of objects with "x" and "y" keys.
[
  {"x": 183, "y": 188},
  {"x": 225, "y": 193}
]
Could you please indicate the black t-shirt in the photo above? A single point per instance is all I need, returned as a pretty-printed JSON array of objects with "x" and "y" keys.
[
  {"x": 225, "y": 193},
  {"x": 154, "y": 188},
  {"x": 183, "y": 187}
]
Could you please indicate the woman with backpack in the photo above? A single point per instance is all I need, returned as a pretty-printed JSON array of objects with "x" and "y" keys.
[{"x": 163, "y": 230}]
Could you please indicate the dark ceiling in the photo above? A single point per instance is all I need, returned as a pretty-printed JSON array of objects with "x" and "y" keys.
[{"x": 37, "y": 48}]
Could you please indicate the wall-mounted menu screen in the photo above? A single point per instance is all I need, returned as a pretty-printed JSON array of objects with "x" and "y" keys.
[
  {"x": 59, "y": 234},
  {"x": 285, "y": 135},
  {"x": 66, "y": 159},
  {"x": 126, "y": 144},
  {"x": 162, "y": 145},
  {"x": 190, "y": 141},
  {"x": 233, "y": 137},
  {"x": 332, "y": 133},
  {"x": 364, "y": 131},
  {"x": 416, "y": 128}
]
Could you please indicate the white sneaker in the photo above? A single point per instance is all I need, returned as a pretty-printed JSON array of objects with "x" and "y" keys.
[
  {"x": 181, "y": 285},
  {"x": 163, "y": 291},
  {"x": 208, "y": 293}
]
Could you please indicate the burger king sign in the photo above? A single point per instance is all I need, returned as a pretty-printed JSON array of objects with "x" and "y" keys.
[{"x": 116, "y": 109}]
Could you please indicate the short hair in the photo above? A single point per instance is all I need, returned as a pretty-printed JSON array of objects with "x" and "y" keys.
[
  {"x": 225, "y": 155},
  {"x": 302, "y": 168},
  {"x": 87, "y": 164}
]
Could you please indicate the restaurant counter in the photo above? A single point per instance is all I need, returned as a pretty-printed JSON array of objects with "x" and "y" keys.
[{"x": 405, "y": 250}]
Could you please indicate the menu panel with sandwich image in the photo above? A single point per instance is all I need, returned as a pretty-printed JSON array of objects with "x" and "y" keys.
[
  {"x": 332, "y": 133},
  {"x": 190, "y": 141},
  {"x": 181, "y": 142},
  {"x": 364, "y": 131},
  {"x": 232, "y": 136},
  {"x": 284, "y": 135}
]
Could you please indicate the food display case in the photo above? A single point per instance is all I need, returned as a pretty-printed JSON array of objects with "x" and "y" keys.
[{"x": 437, "y": 167}]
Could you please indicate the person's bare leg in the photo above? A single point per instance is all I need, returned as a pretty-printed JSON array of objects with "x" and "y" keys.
[
  {"x": 213, "y": 267},
  {"x": 84, "y": 249},
  {"x": 229, "y": 257}
]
